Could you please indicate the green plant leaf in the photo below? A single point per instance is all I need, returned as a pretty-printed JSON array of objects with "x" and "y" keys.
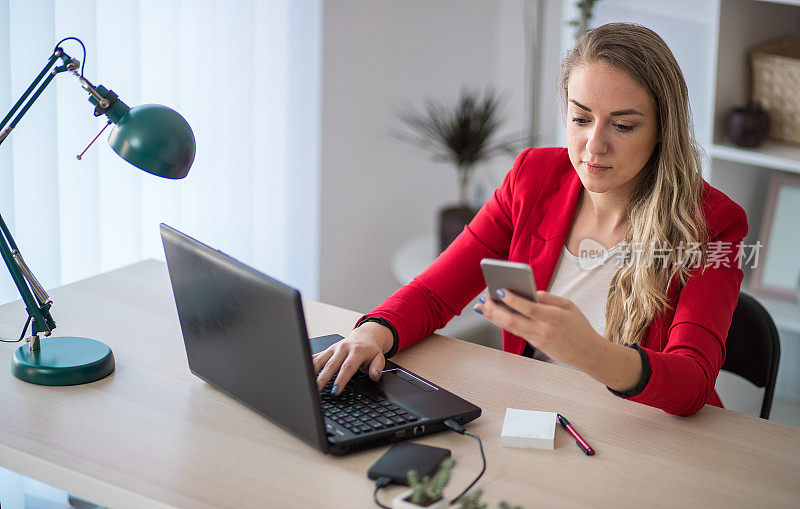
[
  {"x": 463, "y": 134},
  {"x": 472, "y": 501}
]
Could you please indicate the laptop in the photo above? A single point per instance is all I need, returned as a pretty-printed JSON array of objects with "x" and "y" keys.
[{"x": 245, "y": 334}]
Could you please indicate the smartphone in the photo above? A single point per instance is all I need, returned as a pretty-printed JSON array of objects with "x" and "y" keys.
[{"x": 514, "y": 276}]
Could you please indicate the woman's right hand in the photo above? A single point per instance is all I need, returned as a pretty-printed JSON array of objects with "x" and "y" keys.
[{"x": 362, "y": 349}]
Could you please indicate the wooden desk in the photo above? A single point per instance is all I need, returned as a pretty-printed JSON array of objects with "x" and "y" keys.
[{"x": 153, "y": 435}]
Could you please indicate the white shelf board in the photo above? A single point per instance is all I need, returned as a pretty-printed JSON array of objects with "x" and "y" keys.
[{"x": 771, "y": 154}]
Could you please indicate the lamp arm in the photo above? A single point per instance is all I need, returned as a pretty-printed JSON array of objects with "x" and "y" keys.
[
  {"x": 27, "y": 92},
  {"x": 42, "y": 297},
  {"x": 69, "y": 64},
  {"x": 37, "y": 301},
  {"x": 37, "y": 304}
]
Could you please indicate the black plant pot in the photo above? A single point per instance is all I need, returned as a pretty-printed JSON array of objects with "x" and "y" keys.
[{"x": 452, "y": 221}]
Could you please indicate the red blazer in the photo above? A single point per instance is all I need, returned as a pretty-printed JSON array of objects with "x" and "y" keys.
[{"x": 527, "y": 220}]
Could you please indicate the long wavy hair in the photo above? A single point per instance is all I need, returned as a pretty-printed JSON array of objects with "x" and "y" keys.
[{"x": 667, "y": 230}]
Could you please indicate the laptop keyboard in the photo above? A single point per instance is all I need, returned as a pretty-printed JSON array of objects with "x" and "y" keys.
[{"x": 360, "y": 413}]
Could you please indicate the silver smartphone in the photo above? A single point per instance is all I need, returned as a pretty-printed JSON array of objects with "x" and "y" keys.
[{"x": 514, "y": 276}]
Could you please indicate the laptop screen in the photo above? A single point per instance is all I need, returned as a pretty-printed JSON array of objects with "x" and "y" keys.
[{"x": 245, "y": 334}]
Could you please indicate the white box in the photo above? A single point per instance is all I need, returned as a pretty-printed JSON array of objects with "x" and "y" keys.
[{"x": 528, "y": 429}]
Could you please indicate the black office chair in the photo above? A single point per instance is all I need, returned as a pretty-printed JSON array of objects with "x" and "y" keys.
[{"x": 753, "y": 348}]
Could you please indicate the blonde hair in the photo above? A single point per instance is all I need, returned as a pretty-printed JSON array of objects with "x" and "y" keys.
[{"x": 665, "y": 211}]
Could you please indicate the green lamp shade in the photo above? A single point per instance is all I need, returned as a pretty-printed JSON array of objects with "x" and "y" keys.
[{"x": 155, "y": 139}]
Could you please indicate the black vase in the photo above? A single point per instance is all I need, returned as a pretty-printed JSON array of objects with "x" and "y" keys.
[
  {"x": 452, "y": 221},
  {"x": 748, "y": 126}
]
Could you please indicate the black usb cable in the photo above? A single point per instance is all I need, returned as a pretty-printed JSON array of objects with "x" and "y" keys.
[
  {"x": 453, "y": 425},
  {"x": 381, "y": 482}
]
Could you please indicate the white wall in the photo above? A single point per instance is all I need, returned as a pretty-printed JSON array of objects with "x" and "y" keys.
[{"x": 379, "y": 57}]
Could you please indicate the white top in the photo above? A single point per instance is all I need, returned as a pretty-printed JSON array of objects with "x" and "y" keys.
[{"x": 585, "y": 281}]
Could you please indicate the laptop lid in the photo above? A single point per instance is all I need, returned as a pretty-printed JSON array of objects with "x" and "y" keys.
[
  {"x": 242, "y": 330},
  {"x": 245, "y": 334}
]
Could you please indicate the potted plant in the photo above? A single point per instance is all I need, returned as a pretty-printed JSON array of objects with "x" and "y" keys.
[
  {"x": 426, "y": 492},
  {"x": 463, "y": 135},
  {"x": 585, "y": 14},
  {"x": 473, "y": 501}
]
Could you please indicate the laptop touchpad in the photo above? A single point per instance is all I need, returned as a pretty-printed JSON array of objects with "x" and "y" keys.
[
  {"x": 402, "y": 383},
  {"x": 320, "y": 343}
]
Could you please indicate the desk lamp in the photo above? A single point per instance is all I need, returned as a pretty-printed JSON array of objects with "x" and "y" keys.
[{"x": 151, "y": 137}]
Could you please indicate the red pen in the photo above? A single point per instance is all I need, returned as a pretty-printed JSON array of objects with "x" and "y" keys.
[{"x": 585, "y": 447}]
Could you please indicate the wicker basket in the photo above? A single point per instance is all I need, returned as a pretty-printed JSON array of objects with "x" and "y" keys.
[{"x": 776, "y": 86}]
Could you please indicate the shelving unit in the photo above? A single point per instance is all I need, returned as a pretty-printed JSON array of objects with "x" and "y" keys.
[
  {"x": 742, "y": 25},
  {"x": 771, "y": 154}
]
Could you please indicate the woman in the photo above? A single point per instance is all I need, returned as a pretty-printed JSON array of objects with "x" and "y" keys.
[{"x": 652, "y": 325}]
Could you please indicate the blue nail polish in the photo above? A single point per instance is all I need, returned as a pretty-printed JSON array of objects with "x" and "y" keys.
[
  {"x": 335, "y": 388},
  {"x": 482, "y": 299},
  {"x": 501, "y": 293},
  {"x": 478, "y": 310}
]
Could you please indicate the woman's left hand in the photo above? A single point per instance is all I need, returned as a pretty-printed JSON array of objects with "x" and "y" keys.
[{"x": 553, "y": 325}]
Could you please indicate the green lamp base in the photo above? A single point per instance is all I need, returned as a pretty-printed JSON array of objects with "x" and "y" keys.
[{"x": 63, "y": 361}]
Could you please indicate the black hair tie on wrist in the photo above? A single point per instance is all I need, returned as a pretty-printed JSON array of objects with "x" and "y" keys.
[
  {"x": 646, "y": 372},
  {"x": 387, "y": 324}
]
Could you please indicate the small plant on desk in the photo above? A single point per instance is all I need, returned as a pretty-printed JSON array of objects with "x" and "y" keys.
[
  {"x": 473, "y": 501},
  {"x": 428, "y": 491}
]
